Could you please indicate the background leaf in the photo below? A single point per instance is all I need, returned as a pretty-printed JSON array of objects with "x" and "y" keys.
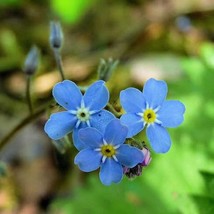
[{"x": 71, "y": 11}]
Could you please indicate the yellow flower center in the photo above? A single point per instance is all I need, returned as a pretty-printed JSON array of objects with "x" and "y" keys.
[
  {"x": 108, "y": 150},
  {"x": 149, "y": 116}
]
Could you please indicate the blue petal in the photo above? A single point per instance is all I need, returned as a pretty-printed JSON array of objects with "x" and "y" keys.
[
  {"x": 155, "y": 92},
  {"x": 133, "y": 122},
  {"x": 132, "y": 100},
  {"x": 159, "y": 138},
  {"x": 101, "y": 119},
  {"x": 91, "y": 137},
  {"x": 115, "y": 132},
  {"x": 67, "y": 94},
  {"x": 97, "y": 95},
  {"x": 88, "y": 160},
  {"x": 75, "y": 136},
  {"x": 60, "y": 124},
  {"x": 171, "y": 113},
  {"x": 111, "y": 171},
  {"x": 129, "y": 156}
]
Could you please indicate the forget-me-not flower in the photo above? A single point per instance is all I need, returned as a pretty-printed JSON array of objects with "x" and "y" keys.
[
  {"x": 149, "y": 108},
  {"x": 107, "y": 151},
  {"x": 82, "y": 110}
]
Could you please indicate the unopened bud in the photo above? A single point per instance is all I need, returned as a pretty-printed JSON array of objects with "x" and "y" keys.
[
  {"x": 137, "y": 170},
  {"x": 133, "y": 172},
  {"x": 31, "y": 61},
  {"x": 106, "y": 68},
  {"x": 147, "y": 157},
  {"x": 56, "y": 35}
]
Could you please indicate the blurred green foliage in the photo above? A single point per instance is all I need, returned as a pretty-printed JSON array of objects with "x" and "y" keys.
[
  {"x": 11, "y": 50},
  {"x": 71, "y": 10},
  {"x": 8, "y": 2},
  {"x": 3, "y": 169},
  {"x": 173, "y": 182},
  {"x": 205, "y": 203},
  {"x": 181, "y": 181}
]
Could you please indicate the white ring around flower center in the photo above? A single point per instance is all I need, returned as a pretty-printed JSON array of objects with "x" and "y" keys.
[{"x": 83, "y": 114}]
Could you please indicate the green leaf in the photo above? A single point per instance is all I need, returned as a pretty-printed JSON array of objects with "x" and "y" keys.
[
  {"x": 8, "y": 2},
  {"x": 3, "y": 169},
  {"x": 204, "y": 204},
  {"x": 71, "y": 11},
  {"x": 207, "y": 54},
  {"x": 194, "y": 69},
  {"x": 209, "y": 182}
]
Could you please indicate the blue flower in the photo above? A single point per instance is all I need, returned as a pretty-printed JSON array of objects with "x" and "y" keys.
[
  {"x": 150, "y": 109},
  {"x": 107, "y": 151},
  {"x": 82, "y": 110}
]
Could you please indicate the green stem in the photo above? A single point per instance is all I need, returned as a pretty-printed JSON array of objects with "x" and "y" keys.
[
  {"x": 22, "y": 124},
  {"x": 111, "y": 109},
  {"x": 83, "y": 89},
  {"x": 28, "y": 96},
  {"x": 67, "y": 141},
  {"x": 59, "y": 63}
]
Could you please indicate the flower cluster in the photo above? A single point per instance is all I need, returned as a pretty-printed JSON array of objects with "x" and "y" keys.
[
  {"x": 82, "y": 110},
  {"x": 101, "y": 138},
  {"x": 108, "y": 152}
]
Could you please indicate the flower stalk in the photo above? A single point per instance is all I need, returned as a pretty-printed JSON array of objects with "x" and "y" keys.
[
  {"x": 58, "y": 59},
  {"x": 27, "y": 120},
  {"x": 30, "y": 67},
  {"x": 56, "y": 41},
  {"x": 106, "y": 68},
  {"x": 28, "y": 95}
]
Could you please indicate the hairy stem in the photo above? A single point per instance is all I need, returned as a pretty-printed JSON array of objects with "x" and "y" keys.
[
  {"x": 28, "y": 95},
  {"x": 59, "y": 63},
  {"x": 22, "y": 124},
  {"x": 112, "y": 109}
]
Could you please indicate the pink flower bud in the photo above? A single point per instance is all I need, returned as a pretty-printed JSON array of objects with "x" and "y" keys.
[{"x": 147, "y": 157}]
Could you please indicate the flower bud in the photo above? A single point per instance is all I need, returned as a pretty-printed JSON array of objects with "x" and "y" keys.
[
  {"x": 31, "y": 61},
  {"x": 147, "y": 157},
  {"x": 137, "y": 170},
  {"x": 133, "y": 172},
  {"x": 56, "y": 35},
  {"x": 106, "y": 68}
]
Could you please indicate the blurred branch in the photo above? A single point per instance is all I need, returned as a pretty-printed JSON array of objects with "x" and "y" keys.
[
  {"x": 112, "y": 109},
  {"x": 59, "y": 63},
  {"x": 22, "y": 124},
  {"x": 28, "y": 95}
]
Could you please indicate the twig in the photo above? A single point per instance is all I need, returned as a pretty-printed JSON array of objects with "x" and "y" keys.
[
  {"x": 112, "y": 109},
  {"x": 59, "y": 63},
  {"x": 22, "y": 124},
  {"x": 28, "y": 96}
]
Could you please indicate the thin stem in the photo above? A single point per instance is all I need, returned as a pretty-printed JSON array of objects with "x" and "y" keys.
[
  {"x": 83, "y": 89},
  {"x": 22, "y": 124},
  {"x": 112, "y": 109},
  {"x": 59, "y": 62},
  {"x": 28, "y": 95},
  {"x": 67, "y": 141}
]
